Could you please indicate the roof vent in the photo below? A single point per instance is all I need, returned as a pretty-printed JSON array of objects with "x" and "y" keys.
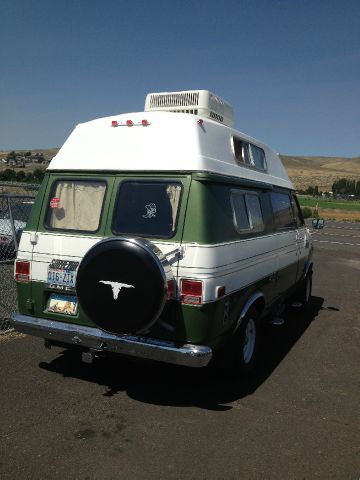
[{"x": 195, "y": 102}]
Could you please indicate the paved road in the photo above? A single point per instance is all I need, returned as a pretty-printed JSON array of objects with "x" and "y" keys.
[
  {"x": 338, "y": 235},
  {"x": 298, "y": 418}
]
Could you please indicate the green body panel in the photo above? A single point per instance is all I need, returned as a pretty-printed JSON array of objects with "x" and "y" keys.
[
  {"x": 33, "y": 220},
  {"x": 209, "y": 216},
  {"x": 25, "y": 298},
  {"x": 194, "y": 324},
  {"x": 209, "y": 324}
]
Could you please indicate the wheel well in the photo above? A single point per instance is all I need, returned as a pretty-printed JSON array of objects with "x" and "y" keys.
[{"x": 259, "y": 304}]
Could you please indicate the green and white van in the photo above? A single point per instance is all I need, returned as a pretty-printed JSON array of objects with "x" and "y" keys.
[{"x": 165, "y": 234}]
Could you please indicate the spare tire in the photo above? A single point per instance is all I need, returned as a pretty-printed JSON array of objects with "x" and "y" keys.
[{"x": 122, "y": 283}]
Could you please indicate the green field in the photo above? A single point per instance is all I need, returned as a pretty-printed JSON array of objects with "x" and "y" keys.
[{"x": 350, "y": 205}]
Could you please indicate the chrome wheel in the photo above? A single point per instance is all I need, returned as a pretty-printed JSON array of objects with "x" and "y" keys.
[{"x": 249, "y": 340}]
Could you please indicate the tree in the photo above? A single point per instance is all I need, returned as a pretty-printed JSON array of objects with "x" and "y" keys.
[
  {"x": 39, "y": 175},
  {"x": 20, "y": 176},
  {"x": 357, "y": 188},
  {"x": 8, "y": 175}
]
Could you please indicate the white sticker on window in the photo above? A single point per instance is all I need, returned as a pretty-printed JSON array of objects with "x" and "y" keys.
[{"x": 150, "y": 211}]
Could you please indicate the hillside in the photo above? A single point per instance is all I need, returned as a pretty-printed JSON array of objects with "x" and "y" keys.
[
  {"x": 320, "y": 171},
  {"x": 303, "y": 171}
]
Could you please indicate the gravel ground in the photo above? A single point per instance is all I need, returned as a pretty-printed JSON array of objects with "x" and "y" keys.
[{"x": 8, "y": 299}]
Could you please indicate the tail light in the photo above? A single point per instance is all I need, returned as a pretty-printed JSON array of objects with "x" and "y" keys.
[
  {"x": 191, "y": 292},
  {"x": 22, "y": 271}
]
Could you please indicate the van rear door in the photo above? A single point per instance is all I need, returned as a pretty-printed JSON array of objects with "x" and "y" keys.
[{"x": 72, "y": 220}]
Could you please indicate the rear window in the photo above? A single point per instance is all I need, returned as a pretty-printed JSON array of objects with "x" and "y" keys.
[
  {"x": 75, "y": 205},
  {"x": 148, "y": 209}
]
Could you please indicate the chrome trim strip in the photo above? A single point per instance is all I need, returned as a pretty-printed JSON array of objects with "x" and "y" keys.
[
  {"x": 246, "y": 308},
  {"x": 88, "y": 337},
  {"x": 249, "y": 303}
]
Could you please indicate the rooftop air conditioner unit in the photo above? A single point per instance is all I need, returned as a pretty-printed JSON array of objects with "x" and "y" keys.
[{"x": 196, "y": 102}]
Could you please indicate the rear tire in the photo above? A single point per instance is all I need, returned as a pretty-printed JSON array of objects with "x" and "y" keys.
[{"x": 239, "y": 356}]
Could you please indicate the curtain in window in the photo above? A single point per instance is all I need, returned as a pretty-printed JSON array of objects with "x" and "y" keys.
[
  {"x": 79, "y": 206},
  {"x": 173, "y": 192}
]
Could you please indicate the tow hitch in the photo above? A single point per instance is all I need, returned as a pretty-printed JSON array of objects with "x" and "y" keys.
[{"x": 92, "y": 354}]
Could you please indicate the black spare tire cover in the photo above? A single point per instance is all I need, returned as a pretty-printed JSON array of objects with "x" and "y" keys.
[{"x": 121, "y": 285}]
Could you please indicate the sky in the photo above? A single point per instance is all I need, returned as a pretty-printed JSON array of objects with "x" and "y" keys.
[{"x": 289, "y": 68}]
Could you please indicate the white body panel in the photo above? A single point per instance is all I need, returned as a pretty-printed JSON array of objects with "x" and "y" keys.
[
  {"x": 235, "y": 265},
  {"x": 239, "y": 264},
  {"x": 61, "y": 246},
  {"x": 172, "y": 142}
]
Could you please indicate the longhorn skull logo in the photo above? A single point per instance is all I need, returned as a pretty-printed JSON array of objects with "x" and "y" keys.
[{"x": 116, "y": 287}]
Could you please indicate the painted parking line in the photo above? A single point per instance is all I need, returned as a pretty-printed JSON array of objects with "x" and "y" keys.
[
  {"x": 342, "y": 228},
  {"x": 338, "y": 235},
  {"x": 338, "y": 243}
]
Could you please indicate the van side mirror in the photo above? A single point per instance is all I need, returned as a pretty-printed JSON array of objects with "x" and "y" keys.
[{"x": 318, "y": 223}]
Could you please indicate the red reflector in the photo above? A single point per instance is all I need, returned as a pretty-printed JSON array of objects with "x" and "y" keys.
[
  {"x": 144, "y": 123},
  {"x": 221, "y": 291},
  {"x": 22, "y": 271},
  {"x": 191, "y": 291},
  {"x": 114, "y": 123},
  {"x": 129, "y": 123}
]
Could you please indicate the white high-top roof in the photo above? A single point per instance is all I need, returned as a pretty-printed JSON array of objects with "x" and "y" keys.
[{"x": 173, "y": 142}]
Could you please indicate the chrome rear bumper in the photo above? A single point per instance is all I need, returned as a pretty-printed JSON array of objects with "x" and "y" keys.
[{"x": 88, "y": 337}]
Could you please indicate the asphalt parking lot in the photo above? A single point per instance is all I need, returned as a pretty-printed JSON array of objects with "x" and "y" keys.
[{"x": 296, "y": 418}]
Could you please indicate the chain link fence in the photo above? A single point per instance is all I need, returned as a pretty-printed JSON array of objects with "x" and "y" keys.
[{"x": 16, "y": 200}]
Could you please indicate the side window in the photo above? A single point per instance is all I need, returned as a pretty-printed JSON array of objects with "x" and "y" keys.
[
  {"x": 248, "y": 154},
  {"x": 247, "y": 212},
  {"x": 282, "y": 211},
  {"x": 241, "y": 152},
  {"x": 298, "y": 215},
  {"x": 258, "y": 157}
]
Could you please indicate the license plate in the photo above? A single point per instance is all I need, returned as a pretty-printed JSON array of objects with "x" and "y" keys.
[
  {"x": 62, "y": 273},
  {"x": 64, "y": 304}
]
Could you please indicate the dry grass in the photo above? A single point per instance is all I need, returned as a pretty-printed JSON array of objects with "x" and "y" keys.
[
  {"x": 333, "y": 214},
  {"x": 320, "y": 171}
]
